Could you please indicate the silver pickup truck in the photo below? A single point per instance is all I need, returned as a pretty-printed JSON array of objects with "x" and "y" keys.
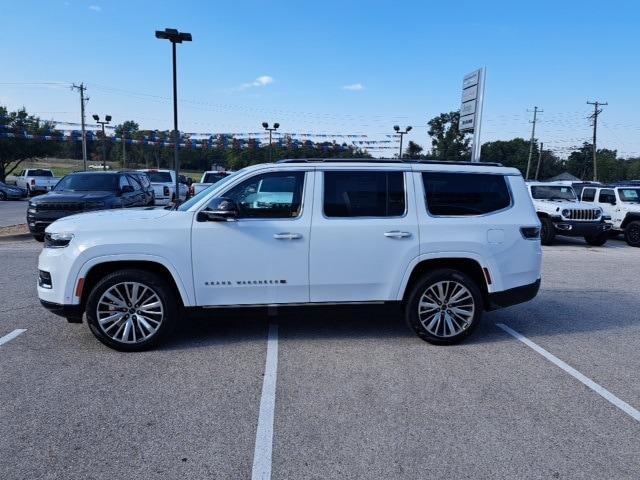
[{"x": 36, "y": 180}]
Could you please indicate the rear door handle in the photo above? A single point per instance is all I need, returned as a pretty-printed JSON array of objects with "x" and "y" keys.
[
  {"x": 287, "y": 236},
  {"x": 397, "y": 234}
]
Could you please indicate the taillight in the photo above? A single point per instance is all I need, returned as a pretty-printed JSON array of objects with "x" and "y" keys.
[
  {"x": 530, "y": 233},
  {"x": 192, "y": 191},
  {"x": 166, "y": 191}
]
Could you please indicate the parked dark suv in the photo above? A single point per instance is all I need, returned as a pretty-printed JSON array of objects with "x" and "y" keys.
[{"x": 84, "y": 192}]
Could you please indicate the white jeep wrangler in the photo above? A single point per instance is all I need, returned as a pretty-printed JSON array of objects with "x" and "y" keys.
[
  {"x": 561, "y": 213},
  {"x": 622, "y": 205},
  {"x": 446, "y": 240}
]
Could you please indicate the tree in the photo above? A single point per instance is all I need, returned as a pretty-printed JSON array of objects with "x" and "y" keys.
[
  {"x": 447, "y": 141},
  {"x": 16, "y": 149},
  {"x": 515, "y": 153},
  {"x": 413, "y": 151},
  {"x": 610, "y": 168}
]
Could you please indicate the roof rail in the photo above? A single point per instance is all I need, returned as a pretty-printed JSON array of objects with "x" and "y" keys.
[{"x": 387, "y": 160}]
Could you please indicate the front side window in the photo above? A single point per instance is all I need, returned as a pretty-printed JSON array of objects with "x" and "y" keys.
[
  {"x": 607, "y": 196},
  {"x": 588, "y": 194},
  {"x": 629, "y": 194},
  {"x": 458, "y": 194},
  {"x": 364, "y": 194},
  {"x": 269, "y": 195}
]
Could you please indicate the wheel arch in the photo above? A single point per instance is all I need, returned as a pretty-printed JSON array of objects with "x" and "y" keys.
[
  {"x": 92, "y": 272},
  {"x": 630, "y": 217},
  {"x": 467, "y": 265}
]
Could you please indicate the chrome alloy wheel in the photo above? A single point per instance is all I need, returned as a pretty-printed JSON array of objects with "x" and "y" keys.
[
  {"x": 446, "y": 308},
  {"x": 129, "y": 312}
]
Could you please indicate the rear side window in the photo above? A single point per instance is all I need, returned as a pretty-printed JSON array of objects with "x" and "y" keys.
[
  {"x": 364, "y": 194},
  {"x": 588, "y": 194},
  {"x": 455, "y": 194}
]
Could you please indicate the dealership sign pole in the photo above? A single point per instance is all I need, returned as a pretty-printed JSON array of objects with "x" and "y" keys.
[{"x": 471, "y": 108}]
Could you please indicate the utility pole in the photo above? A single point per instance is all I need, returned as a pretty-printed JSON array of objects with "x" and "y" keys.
[
  {"x": 539, "y": 160},
  {"x": 596, "y": 111},
  {"x": 124, "y": 151},
  {"x": 533, "y": 133},
  {"x": 83, "y": 102}
]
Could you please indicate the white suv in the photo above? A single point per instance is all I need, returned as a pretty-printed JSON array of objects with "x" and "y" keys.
[
  {"x": 447, "y": 240},
  {"x": 622, "y": 205}
]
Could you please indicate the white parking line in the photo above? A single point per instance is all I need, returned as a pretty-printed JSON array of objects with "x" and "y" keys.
[
  {"x": 603, "y": 392},
  {"x": 10, "y": 336},
  {"x": 264, "y": 435}
]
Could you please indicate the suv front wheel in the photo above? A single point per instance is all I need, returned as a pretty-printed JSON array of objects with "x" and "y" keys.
[
  {"x": 444, "y": 306},
  {"x": 131, "y": 310}
]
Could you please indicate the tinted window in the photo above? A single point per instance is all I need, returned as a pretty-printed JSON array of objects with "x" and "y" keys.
[
  {"x": 588, "y": 194},
  {"x": 160, "y": 177},
  {"x": 39, "y": 173},
  {"x": 364, "y": 194},
  {"x": 213, "y": 177},
  {"x": 465, "y": 193},
  {"x": 607, "y": 196},
  {"x": 135, "y": 183},
  {"x": 270, "y": 195},
  {"x": 552, "y": 192},
  {"x": 87, "y": 182}
]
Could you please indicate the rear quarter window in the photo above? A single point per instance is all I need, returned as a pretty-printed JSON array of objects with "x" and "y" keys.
[{"x": 462, "y": 194}]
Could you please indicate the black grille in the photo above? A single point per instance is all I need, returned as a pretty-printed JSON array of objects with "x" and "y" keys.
[
  {"x": 585, "y": 215},
  {"x": 60, "y": 206}
]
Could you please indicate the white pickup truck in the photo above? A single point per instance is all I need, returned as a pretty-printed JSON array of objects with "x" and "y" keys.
[
  {"x": 164, "y": 186},
  {"x": 36, "y": 180},
  {"x": 208, "y": 179}
]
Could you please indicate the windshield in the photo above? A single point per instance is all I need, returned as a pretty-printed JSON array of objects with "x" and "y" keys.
[
  {"x": 214, "y": 177},
  {"x": 160, "y": 177},
  {"x": 195, "y": 199},
  {"x": 40, "y": 173},
  {"x": 88, "y": 183},
  {"x": 552, "y": 192},
  {"x": 629, "y": 194}
]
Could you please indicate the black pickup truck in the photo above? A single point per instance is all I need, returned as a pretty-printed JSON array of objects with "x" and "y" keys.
[{"x": 84, "y": 192}]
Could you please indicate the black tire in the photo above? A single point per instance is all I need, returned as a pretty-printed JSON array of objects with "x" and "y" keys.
[
  {"x": 548, "y": 231},
  {"x": 3, "y": 196},
  {"x": 597, "y": 240},
  {"x": 39, "y": 237},
  {"x": 157, "y": 285},
  {"x": 632, "y": 233},
  {"x": 421, "y": 288}
]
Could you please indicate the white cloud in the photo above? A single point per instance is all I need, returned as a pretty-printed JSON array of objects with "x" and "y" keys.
[
  {"x": 95, "y": 8},
  {"x": 355, "y": 87},
  {"x": 261, "y": 81}
]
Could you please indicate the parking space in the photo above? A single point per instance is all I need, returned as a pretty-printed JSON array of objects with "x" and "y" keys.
[
  {"x": 356, "y": 394},
  {"x": 13, "y": 212}
]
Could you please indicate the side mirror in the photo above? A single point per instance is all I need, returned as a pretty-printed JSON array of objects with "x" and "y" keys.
[
  {"x": 126, "y": 189},
  {"x": 220, "y": 210}
]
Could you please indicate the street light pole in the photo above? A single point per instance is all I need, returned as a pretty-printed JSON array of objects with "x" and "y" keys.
[
  {"x": 275, "y": 127},
  {"x": 174, "y": 36},
  {"x": 402, "y": 134},
  {"x": 107, "y": 119}
]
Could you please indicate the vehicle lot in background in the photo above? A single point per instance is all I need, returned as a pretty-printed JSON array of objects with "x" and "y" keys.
[{"x": 357, "y": 394}]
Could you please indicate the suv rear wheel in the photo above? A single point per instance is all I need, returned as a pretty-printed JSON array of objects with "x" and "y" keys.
[
  {"x": 444, "y": 306},
  {"x": 632, "y": 233},
  {"x": 131, "y": 310},
  {"x": 548, "y": 231}
]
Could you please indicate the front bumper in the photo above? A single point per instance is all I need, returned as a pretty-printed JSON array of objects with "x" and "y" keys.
[
  {"x": 513, "y": 296},
  {"x": 37, "y": 222},
  {"x": 73, "y": 313},
  {"x": 572, "y": 228}
]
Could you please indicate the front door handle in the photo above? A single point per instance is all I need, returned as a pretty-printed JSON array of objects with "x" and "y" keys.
[
  {"x": 397, "y": 234},
  {"x": 287, "y": 236}
]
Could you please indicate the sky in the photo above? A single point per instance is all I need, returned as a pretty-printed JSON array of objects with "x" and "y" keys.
[{"x": 334, "y": 67}]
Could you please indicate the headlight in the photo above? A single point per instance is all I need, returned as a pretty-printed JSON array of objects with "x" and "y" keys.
[
  {"x": 93, "y": 205},
  {"x": 57, "y": 240},
  {"x": 566, "y": 213},
  {"x": 598, "y": 213}
]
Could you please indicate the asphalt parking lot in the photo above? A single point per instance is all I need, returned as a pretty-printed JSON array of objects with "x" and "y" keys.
[
  {"x": 350, "y": 392},
  {"x": 13, "y": 212}
]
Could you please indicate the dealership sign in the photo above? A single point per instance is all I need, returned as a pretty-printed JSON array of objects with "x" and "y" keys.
[{"x": 471, "y": 108}]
